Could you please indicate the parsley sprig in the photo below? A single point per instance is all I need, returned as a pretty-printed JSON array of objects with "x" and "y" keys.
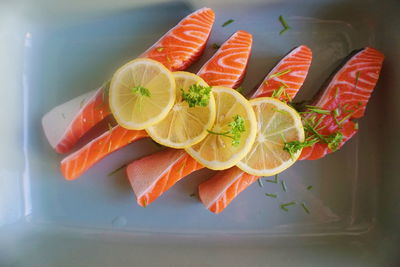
[
  {"x": 141, "y": 91},
  {"x": 197, "y": 95},
  {"x": 237, "y": 127}
]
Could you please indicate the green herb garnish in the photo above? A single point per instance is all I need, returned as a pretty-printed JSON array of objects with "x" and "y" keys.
[
  {"x": 303, "y": 205},
  {"x": 226, "y": 23},
  {"x": 280, "y": 74},
  {"x": 215, "y": 46},
  {"x": 334, "y": 140},
  {"x": 335, "y": 114},
  {"x": 284, "y": 112},
  {"x": 110, "y": 128},
  {"x": 160, "y": 49},
  {"x": 271, "y": 195},
  {"x": 141, "y": 90},
  {"x": 197, "y": 95},
  {"x": 284, "y": 187},
  {"x": 275, "y": 181},
  {"x": 309, "y": 187},
  {"x": 260, "y": 183},
  {"x": 117, "y": 170},
  {"x": 285, "y": 205},
  {"x": 337, "y": 92},
  {"x": 293, "y": 147},
  {"x": 357, "y": 77},
  {"x": 240, "y": 90},
  {"x": 315, "y": 109},
  {"x": 144, "y": 203},
  {"x": 237, "y": 127},
  {"x": 284, "y": 25}
]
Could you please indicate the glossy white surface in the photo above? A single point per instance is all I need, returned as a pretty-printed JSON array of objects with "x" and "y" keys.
[{"x": 52, "y": 53}]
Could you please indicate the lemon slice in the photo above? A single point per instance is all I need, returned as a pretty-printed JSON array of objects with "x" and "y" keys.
[
  {"x": 185, "y": 126},
  {"x": 219, "y": 150},
  {"x": 277, "y": 123},
  {"x": 142, "y": 92}
]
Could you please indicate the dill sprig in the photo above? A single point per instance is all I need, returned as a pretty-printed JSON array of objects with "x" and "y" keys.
[
  {"x": 197, "y": 95},
  {"x": 117, "y": 170},
  {"x": 275, "y": 181},
  {"x": 237, "y": 127},
  {"x": 215, "y": 46},
  {"x": 284, "y": 187},
  {"x": 314, "y": 136},
  {"x": 240, "y": 90},
  {"x": 334, "y": 140},
  {"x": 285, "y": 205},
  {"x": 280, "y": 74},
  {"x": 271, "y": 195},
  {"x": 284, "y": 25},
  {"x": 110, "y": 127},
  {"x": 303, "y": 205},
  {"x": 315, "y": 109},
  {"x": 226, "y": 23},
  {"x": 357, "y": 77}
]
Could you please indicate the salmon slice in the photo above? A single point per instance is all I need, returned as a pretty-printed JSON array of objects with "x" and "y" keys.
[
  {"x": 77, "y": 163},
  {"x": 150, "y": 181},
  {"x": 347, "y": 93},
  {"x": 87, "y": 156},
  {"x": 229, "y": 62},
  {"x": 177, "y": 50},
  {"x": 217, "y": 192},
  {"x": 162, "y": 180},
  {"x": 235, "y": 51}
]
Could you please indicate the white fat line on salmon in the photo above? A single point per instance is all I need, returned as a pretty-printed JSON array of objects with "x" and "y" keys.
[
  {"x": 351, "y": 87},
  {"x": 162, "y": 174},
  {"x": 234, "y": 75},
  {"x": 223, "y": 192},
  {"x": 184, "y": 40},
  {"x": 196, "y": 34},
  {"x": 229, "y": 67}
]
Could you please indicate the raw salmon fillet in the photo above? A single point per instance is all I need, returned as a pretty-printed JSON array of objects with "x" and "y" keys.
[
  {"x": 177, "y": 50},
  {"x": 77, "y": 163},
  {"x": 217, "y": 192},
  {"x": 298, "y": 60},
  {"x": 348, "y": 92}
]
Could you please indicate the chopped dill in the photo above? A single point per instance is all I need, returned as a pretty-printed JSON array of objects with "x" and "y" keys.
[
  {"x": 226, "y": 23},
  {"x": 285, "y": 205},
  {"x": 284, "y": 25}
]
